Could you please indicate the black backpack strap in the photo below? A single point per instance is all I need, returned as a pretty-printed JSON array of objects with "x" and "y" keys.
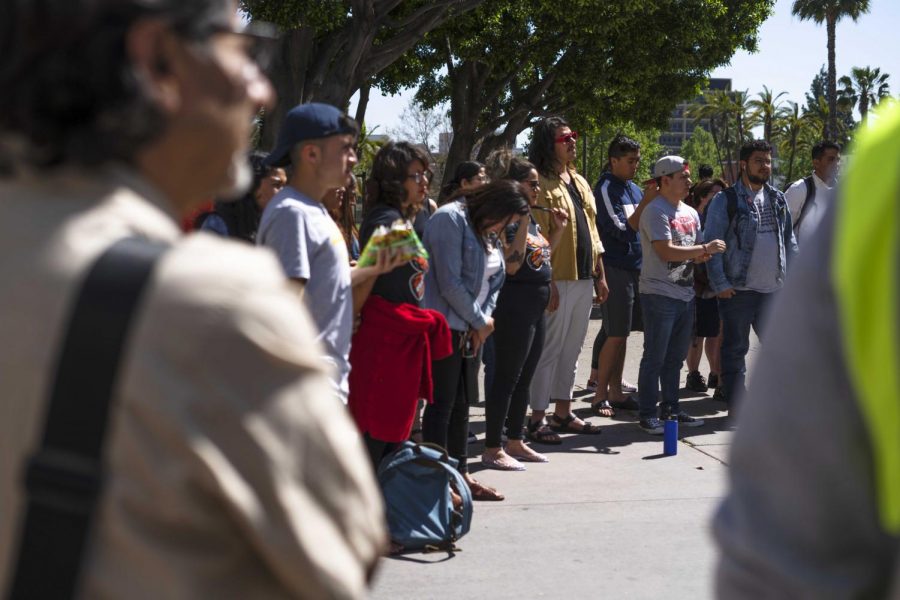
[
  {"x": 732, "y": 198},
  {"x": 807, "y": 202},
  {"x": 64, "y": 477}
]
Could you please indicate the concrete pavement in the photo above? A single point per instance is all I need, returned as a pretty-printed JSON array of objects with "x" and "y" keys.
[{"x": 607, "y": 517}]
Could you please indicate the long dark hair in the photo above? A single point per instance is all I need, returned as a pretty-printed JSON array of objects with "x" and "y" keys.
[
  {"x": 464, "y": 171},
  {"x": 386, "y": 182},
  {"x": 344, "y": 217},
  {"x": 495, "y": 202},
  {"x": 542, "y": 151},
  {"x": 242, "y": 216},
  {"x": 701, "y": 189},
  {"x": 501, "y": 164}
]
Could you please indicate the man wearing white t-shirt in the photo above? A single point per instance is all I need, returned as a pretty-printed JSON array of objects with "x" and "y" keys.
[{"x": 807, "y": 198}]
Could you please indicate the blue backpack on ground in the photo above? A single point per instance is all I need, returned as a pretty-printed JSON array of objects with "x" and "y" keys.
[{"x": 416, "y": 480}]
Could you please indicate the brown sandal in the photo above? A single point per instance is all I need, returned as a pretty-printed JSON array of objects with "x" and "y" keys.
[
  {"x": 564, "y": 425},
  {"x": 484, "y": 492}
]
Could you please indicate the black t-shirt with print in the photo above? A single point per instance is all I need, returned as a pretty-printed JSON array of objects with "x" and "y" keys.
[
  {"x": 536, "y": 265},
  {"x": 406, "y": 283},
  {"x": 583, "y": 256}
]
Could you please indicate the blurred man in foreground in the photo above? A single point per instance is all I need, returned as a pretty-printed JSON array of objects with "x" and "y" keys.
[{"x": 230, "y": 470}]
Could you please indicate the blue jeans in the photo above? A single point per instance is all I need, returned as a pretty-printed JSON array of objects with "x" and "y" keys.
[
  {"x": 739, "y": 313},
  {"x": 668, "y": 328}
]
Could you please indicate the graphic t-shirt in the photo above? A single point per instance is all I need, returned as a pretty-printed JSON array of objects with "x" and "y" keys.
[
  {"x": 536, "y": 265},
  {"x": 681, "y": 224},
  {"x": 406, "y": 283},
  {"x": 762, "y": 273}
]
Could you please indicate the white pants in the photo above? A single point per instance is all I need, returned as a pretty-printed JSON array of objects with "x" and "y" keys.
[{"x": 566, "y": 328}]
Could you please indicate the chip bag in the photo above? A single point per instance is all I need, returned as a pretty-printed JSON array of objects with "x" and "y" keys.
[{"x": 401, "y": 237}]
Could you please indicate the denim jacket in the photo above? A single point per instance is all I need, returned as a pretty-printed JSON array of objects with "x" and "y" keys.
[
  {"x": 729, "y": 270},
  {"x": 456, "y": 269}
]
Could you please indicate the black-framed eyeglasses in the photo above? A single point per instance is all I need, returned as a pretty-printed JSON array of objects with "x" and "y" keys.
[{"x": 534, "y": 183}]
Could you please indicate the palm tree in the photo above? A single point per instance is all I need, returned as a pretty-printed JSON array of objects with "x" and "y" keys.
[
  {"x": 865, "y": 88},
  {"x": 830, "y": 12},
  {"x": 789, "y": 122},
  {"x": 713, "y": 109},
  {"x": 765, "y": 110}
]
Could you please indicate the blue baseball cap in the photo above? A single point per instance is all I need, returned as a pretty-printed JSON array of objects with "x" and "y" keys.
[{"x": 310, "y": 121}]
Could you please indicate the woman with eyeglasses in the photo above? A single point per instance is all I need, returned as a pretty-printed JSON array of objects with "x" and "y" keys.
[
  {"x": 577, "y": 272},
  {"x": 467, "y": 176},
  {"x": 397, "y": 339},
  {"x": 518, "y": 338},
  {"x": 467, "y": 271}
]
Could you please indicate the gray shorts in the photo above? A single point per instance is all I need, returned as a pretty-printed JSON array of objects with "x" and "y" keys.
[{"x": 622, "y": 310}]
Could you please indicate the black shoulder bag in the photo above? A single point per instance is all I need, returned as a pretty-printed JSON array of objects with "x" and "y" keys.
[{"x": 64, "y": 476}]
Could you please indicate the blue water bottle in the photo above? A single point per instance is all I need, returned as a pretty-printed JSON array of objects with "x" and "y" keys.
[{"x": 670, "y": 436}]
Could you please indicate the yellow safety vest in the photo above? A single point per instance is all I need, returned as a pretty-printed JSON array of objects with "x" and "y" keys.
[{"x": 865, "y": 274}]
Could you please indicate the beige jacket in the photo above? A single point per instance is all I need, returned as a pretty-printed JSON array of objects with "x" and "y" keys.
[
  {"x": 555, "y": 195},
  {"x": 233, "y": 472}
]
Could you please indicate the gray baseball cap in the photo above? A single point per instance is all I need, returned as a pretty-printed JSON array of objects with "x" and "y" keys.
[{"x": 669, "y": 165}]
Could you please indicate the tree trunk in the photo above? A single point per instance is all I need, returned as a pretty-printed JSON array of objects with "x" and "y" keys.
[
  {"x": 287, "y": 75},
  {"x": 363, "y": 103},
  {"x": 863, "y": 107},
  {"x": 831, "y": 23},
  {"x": 790, "y": 174}
]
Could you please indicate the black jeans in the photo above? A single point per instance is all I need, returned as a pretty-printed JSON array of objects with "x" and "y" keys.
[
  {"x": 446, "y": 421},
  {"x": 518, "y": 344},
  {"x": 378, "y": 449}
]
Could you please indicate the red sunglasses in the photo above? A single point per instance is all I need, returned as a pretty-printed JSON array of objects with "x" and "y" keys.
[{"x": 572, "y": 136}]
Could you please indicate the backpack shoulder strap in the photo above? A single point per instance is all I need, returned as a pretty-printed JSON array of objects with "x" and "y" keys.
[
  {"x": 732, "y": 198},
  {"x": 807, "y": 202},
  {"x": 64, "y": 477}
]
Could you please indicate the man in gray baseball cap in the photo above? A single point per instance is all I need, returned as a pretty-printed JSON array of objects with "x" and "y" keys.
[{"x": 670, "y": 247}]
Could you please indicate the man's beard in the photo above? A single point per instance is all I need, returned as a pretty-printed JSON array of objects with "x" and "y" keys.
[
  {"x": 757, "y": 180},
  {"x": 240, "y": 178}
]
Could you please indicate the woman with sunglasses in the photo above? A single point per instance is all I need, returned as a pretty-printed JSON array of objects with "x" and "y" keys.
[
  {"x": 397, "y": 339},
  {"x": 518, "y": 338},
  {"x": 466, "y": 273},
  {"x": 577, "y": 272}
]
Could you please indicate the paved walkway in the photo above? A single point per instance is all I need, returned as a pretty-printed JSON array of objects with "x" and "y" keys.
[{"x": 607, "y": 517}]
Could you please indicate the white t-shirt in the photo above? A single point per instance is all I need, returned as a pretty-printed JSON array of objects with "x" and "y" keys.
[
  {"x": 812, "y": 214},
  {"x": 492, "y": 264},
  {"x": 310, "y": 246}
]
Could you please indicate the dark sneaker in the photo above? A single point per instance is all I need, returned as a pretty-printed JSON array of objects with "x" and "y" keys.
[
  {"x": 720, "y": 394},
  {"x": 472, "y": 437},
  {"x": 712, "y": 381},
  {"x": 684, "y": 419},
  {"x": 653, "y": 426},
  {"x": 695, "y": 382}
]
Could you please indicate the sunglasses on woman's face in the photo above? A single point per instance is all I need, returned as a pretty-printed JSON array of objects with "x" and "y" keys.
[{"x": 569, "y": 137}]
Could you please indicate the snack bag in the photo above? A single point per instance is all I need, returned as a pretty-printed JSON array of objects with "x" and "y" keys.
[{"x": 400, "y": 237}]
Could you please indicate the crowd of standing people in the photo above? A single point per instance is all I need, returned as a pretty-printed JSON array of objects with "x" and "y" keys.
[
  {"x": 517, "y": 251},
  {"x": 240, "y": 420}
]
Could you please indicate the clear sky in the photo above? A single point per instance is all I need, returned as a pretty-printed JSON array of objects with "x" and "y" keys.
[{"x": 790, "y": 54}]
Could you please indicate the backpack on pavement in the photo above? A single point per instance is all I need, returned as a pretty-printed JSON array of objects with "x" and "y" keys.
[{"x": 416, "y": 481}]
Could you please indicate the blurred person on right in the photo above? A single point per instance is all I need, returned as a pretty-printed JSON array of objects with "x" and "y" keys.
[
  {"x": 229, "y": 470},
  {"x": 808, "y": 198},
  {"x": 813, "y": 509}
]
